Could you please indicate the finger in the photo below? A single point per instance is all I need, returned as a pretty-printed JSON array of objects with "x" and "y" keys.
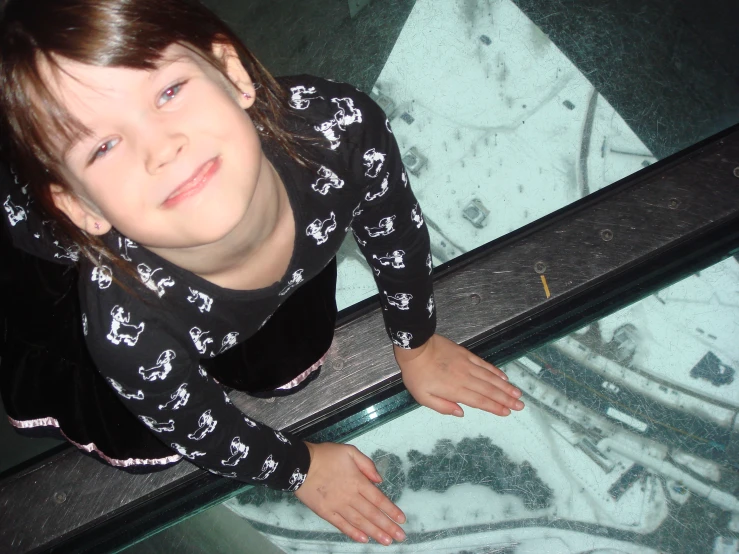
[
  {"x": 488, "y": 366},
  {"x": 442, "y": 406},
  {"x": 495, "y": 388},
  {"x": 377, "y": 498},
  {"x": 474, "y": 399},
  {"x": 366, "y": 466},
  {"x": 338, "y": 521},
  {"x": 373, "y": 514},
  {"x": 358, "y": 520}
]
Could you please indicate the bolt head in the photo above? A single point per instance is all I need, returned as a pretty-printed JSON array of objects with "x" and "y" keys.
[
  {"x": 60, "y": 497},
  {"x": 606, "y": 235},
  {"x": 736, "y": 172},
  {"x": 476, "y": 298},
  {"x": 540, "y": 267}
]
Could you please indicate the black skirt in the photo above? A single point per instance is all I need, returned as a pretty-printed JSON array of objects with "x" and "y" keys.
[{"x": 50, "y": 387}]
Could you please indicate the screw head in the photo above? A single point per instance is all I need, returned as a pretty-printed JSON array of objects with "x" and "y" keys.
[
  {"x": 338, "y": 364},
  {"x": 60, "y": 497},
  {"x": 540, "y": 267},
  {"x": 476, "y": 298},
  {"x": 736, "y": 172},
  {"x": 673, "y": 203},
  {"x": 606, "y": 235}
]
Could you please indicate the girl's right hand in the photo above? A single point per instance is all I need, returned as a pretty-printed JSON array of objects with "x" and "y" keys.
[{"x": 339, "y": 488}]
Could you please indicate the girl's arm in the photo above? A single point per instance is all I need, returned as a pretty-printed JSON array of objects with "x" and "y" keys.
[
  {"x": 390, "y": 230},
  {"x": 160, "y": 381}
]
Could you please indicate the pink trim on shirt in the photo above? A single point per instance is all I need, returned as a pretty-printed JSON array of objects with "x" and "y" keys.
[
  {"x": 91, "y": 447},
  {"x": 303, "y": 376}
]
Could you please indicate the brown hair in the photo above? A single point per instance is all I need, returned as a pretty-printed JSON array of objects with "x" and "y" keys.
[{"x": 107, "y": 33}]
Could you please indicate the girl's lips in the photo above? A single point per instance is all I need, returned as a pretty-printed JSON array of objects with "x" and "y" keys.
[{"x": 195, "y": 184}]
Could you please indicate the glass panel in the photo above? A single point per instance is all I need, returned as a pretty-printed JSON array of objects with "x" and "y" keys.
[
  {"x": 628, "y": 443},
  {"x": 506, "y": 111}
]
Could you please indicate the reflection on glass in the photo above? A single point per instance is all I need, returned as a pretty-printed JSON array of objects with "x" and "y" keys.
[
  {"x": 627, "y": 444},
  {"x": 496, "y": 126}
]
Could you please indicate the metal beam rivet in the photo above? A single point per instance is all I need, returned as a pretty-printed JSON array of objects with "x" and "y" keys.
[
  {"x": 673, "y": 203},
  {"x": 606, "y": 235},
  {"x": 540, "y": 267},
  {"x": 476, "y": 298},
  {"x": 60, "y": 497},
  {"x": 338, "y": 364},
  {"x": 736, "y": 172}
]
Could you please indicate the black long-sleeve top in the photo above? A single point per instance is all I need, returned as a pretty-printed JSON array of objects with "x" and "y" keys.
[{"x": 149, "y": 344}]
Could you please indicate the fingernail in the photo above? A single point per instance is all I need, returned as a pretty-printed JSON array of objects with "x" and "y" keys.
[
  {"x": 517, "y": 393},
  {"x": 519, "y": 405},
  {"x": 386, "y": 541},
  {"x": 363, "y": 539},
  {"x": 400, "y": 518},
  {"x": 400, "y": 535},
  {"x": 458, "y": 413},
  {"x": 378, "y": 477}
]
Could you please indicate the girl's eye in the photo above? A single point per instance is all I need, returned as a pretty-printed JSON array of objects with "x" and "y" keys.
[
  {"x": 170, "y": 93},
  {"x": 103, "y": 149}
]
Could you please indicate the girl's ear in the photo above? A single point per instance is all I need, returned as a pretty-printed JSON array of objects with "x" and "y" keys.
[
  {"x": 79, "y": 211},
  {"x": 236, "y": 71}
]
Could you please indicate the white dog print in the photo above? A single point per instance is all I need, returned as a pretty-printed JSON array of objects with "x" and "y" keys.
[
  {"x": 377, "y": 271},
  {"x": 265, "y": 321},
  {"x": 384, "y": 228},
  {"x": 401, "y": 300},
  {"x": 121, "y": 330},
  {"x": 69, "y": 252},
  {"x": 268, "y": 468},
  {"x": 373, "y": 161},
  {"x": 327, "y": 180},
  {"x": 404, "y": 178},
  {"x": 359, "y": 241},
  {"x": 147, "y": 277},
  {"x": 403, "y": 339},
  {"x": 124, "y": 245},
  {"x": 199, "y": 339},
  {"x": 319, "y": 230},
  {"x": 139, "y": 395},
  {"x": 429, "y": 263},
  {"x": 103, "y": 275},
  {"x": 179, "y": 399},
  {"x": 16, "y": 214},
  {"x": 202, "y": 372},
  {"x": 228, "y": 341},
  {"x": 239, "y": 451},
  {"x": 296, "y": 479},
  {"x": 356, "y": 211},
  {"x": 345, "y": 116},
  {"x": 84, "y": 324},
  {"x": 206, "y": 424},
  {"x": 296, "y": 279},
  {"x": 249, "y": 422},
  {"x": 387, "y": 126},
  {"x": 430, "y": 305},
  {"x": 183, "y": 451},
  {"x": 417, "y": 216},
  {"x": 161, "y": 370},
  {"x": 394, "y": 259},
  {"x": 281, "y": 437},
  {"x": 383, "y": 189},
  {"x": 301, "y": 96},
  {"x": 205, "y": 301},
  {"x": 154, "y": 425}
]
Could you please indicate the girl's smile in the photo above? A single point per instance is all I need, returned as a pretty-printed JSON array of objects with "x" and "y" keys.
[{"x": 193, "y": 185}]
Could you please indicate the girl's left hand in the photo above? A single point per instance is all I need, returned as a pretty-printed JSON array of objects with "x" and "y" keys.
[{"x": 441, "y": 373}]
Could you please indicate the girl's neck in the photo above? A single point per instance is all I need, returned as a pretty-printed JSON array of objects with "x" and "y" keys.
[{"x": 233, "y": 262}]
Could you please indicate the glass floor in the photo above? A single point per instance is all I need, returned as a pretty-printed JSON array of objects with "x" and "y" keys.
[{"x": 629, "y": 444}]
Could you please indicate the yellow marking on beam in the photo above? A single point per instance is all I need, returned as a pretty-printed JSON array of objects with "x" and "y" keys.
[{"x": 546, "y": 287}]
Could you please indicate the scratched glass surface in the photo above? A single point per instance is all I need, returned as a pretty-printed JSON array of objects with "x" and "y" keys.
[
  {"x": 628, "y": 444},
  {"x": 498, "y": 126}
]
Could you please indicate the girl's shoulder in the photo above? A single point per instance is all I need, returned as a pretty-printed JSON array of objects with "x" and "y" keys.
[{"x": 324, "y": 99}]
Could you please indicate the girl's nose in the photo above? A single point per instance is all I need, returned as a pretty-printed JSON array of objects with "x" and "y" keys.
[{"x": 163, "y": 149}]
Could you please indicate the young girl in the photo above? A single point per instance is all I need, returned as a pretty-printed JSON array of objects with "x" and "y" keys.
[{"x": 204, "y": 202}]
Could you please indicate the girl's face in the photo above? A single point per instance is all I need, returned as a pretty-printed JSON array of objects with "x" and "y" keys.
[{"x": 172, "y": 160}]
